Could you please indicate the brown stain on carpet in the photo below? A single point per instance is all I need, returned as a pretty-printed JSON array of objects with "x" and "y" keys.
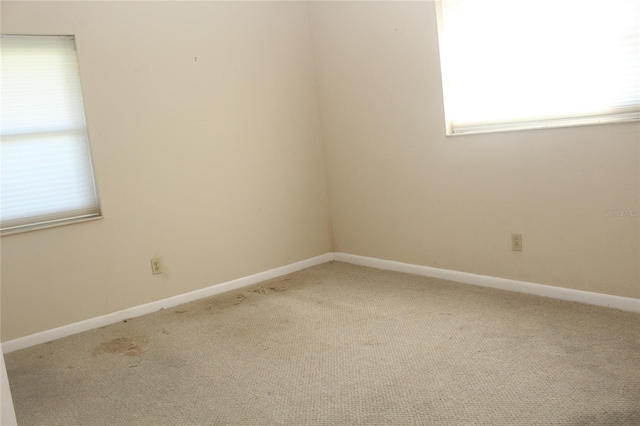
[
  {"x": 129, "y": 346},
  {"x": 268, "y": 290}
]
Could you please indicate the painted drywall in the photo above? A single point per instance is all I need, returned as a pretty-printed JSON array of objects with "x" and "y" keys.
[
  {"x": 204, "y": 128},
  {"x": 401, "y": 190},
  {"x": 206, "y": 138}
]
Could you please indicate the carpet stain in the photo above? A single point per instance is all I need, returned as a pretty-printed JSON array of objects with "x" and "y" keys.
[
  {"x": 129, "y": 346},
  {"x": 261, "y": 290}
]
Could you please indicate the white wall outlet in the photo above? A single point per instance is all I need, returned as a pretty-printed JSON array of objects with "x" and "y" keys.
[
  {"x": 156, "y": 266},
  {"x": 516, "y": 242}
]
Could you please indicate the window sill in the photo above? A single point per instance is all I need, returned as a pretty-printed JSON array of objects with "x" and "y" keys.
[
  {"x": 36, "y": 227},
  {"x": 545, "y": 124}
]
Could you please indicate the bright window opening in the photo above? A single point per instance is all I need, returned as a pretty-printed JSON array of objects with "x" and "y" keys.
[{"x": 517, "y": 64}]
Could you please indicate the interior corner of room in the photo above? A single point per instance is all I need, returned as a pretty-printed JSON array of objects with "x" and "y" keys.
[{"x": 230, "y": 139}]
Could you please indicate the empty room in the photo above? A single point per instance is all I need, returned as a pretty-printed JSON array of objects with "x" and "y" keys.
[{"x": 320, "y": 212}]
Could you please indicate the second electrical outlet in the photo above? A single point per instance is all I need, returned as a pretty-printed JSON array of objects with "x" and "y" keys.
[
  {"x": 156, "y": 266},
  {"x": 516, "y": 242}
]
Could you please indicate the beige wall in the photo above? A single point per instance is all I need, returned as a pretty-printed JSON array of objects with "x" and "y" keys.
[
  {"x": 400, "y": 190},
  {"x": 215, "y": 165}
]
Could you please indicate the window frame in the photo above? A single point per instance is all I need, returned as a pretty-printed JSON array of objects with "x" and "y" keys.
[{"x": 68, "y": 219}]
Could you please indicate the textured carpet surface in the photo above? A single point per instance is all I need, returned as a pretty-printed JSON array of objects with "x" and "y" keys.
[{"x": 340, "y": 344}]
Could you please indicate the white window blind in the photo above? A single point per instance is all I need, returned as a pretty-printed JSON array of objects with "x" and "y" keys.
[
  {"x": 513, "y": 64},
  {"x": 46, "y": 176}
]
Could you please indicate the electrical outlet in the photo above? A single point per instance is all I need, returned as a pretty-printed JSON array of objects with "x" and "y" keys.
[
  {"x": 156, "y": 266},
  {"x": 516, "y": 242}
]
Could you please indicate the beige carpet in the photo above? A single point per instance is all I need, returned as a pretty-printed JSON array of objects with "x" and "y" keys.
[{"x": 340, "y": 344}]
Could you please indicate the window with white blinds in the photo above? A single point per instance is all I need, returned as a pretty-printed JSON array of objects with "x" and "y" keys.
[
  {"x": 520, "y": 64},
  {"x": 46, "y": 177}
]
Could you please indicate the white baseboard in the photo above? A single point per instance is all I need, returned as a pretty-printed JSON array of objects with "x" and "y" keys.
[
  {"x": 136, "y": 311},
  {"x": 598, "y": 299},
  {"x": 616, "y": 302}
]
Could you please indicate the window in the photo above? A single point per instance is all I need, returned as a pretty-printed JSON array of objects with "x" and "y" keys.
[
  {"x": 510, "y": 65},
  {"x": 46, "y": 177}
]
